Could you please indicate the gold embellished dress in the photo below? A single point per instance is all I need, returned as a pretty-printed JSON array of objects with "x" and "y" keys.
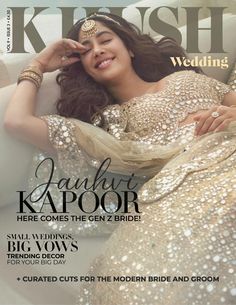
[{"x": 187, "y": 197}]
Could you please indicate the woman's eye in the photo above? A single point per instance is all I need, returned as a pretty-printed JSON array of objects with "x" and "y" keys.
[
  {"x": 106, "y": 41},
  {"x": 86, "y": 52}
]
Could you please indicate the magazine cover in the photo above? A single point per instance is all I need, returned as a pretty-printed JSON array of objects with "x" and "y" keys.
[{"x": 117, "y": 152}]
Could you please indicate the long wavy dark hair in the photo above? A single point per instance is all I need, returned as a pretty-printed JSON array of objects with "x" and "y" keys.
[{"x": 81, "y": 96}]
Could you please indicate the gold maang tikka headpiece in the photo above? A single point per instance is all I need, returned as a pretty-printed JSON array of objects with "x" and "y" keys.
[{"x": 89, "y": 27}]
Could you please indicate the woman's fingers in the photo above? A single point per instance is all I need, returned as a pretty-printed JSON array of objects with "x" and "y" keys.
[
  {"x": 219, "y": 121},
  {"x": 72, "y": 45},
  {"x": 223, "y": 125},
  {"x": 71, "y": 51},
  {"x": 203, "y": 124},
  {"x": 216, "y": 119},
  {"x": 59, "y": 54},
  {"x": 66, "y": 61},
  {"x": 204, "y": 121}
]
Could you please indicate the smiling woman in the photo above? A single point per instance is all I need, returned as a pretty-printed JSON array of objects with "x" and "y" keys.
[
  {"x": 107, "y": 38},
  {"x": 175, "y": 130},
  {"x": 141, "y": 61},
  {"x": 102, "y": 54}
]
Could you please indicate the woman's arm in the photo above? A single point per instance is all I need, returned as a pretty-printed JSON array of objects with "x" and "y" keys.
[{"x": 20, "y": 119}]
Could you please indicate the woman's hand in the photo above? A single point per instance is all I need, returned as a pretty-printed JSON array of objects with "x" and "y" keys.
[
  {"x": 215, "y": 119},
  {"x": 55, "y": 56}
]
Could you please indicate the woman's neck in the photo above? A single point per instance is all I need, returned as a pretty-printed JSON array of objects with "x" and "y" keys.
[{"x": 131, "y": 85}]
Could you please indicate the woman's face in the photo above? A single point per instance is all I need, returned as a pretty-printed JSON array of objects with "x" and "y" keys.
[{"x": 107, "y": 58}]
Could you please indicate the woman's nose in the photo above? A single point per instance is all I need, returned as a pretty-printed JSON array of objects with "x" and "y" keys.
[{"x": 98, "y": 50}]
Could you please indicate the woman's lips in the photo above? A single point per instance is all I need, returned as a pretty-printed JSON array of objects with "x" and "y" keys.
[{"x": 105, "y": 63}]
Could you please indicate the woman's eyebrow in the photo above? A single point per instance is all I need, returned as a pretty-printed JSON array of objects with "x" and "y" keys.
[{"x": 98, "y": 34}]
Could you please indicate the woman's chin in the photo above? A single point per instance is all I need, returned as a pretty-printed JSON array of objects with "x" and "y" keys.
[{"x": 108, "y": 77}]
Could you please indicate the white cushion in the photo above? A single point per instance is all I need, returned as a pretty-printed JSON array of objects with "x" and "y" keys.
[{"x": 11, "y": 66}]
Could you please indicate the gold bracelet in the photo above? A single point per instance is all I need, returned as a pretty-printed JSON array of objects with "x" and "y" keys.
[
  {"x": 34, "y": 69},
  {"x": 25, "y": 77},
  {"x": 32, "y": 73}
]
